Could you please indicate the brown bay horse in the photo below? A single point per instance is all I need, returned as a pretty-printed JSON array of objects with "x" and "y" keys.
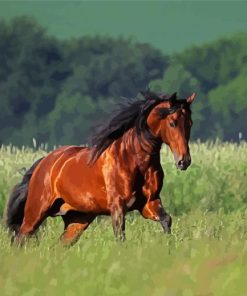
[{"x": 121, "y": 172}]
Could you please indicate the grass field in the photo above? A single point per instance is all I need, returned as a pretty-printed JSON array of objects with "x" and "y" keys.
[{"x": 205, "y": 255}]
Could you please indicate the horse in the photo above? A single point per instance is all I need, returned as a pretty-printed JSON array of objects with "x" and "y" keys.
[{"x": 120, "y": 171}]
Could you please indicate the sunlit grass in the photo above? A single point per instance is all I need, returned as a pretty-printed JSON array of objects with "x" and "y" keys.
[{"x": 205, "y": 255}]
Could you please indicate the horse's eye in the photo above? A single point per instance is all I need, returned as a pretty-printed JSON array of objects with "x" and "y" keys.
[{"x": 173, "y": 123}]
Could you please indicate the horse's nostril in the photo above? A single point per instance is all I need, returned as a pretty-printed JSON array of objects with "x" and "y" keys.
[{"x": 180, "y": 163}]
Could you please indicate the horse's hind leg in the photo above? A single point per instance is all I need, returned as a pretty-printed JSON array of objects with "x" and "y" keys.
[
  {"x": 74, "y": 225},
  {"x": 30, "y": 226},
  {"x": 34, "y": 215}
]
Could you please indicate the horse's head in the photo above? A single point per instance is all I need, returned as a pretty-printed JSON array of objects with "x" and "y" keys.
[{"x": 171, "y": 121}]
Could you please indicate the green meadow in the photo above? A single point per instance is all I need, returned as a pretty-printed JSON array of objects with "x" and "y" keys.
[{"x": 206, "y": 254}]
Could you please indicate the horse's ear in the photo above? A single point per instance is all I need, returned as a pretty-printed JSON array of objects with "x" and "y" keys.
[
  {"x": 191, "y": 98},
  {"x": 173, "y": 97}
]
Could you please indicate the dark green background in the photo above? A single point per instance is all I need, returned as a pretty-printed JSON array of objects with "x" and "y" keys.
[{"x": 63, "y": 65}]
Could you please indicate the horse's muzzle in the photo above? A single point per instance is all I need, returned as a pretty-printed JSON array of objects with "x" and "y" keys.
[{"x": 183, "y": 164}]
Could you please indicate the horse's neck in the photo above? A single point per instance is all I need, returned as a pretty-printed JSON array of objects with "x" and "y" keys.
[{"x": 144, "y": 152}]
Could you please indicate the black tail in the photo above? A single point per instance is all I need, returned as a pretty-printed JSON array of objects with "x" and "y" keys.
[{"x": 17, "y": 200}]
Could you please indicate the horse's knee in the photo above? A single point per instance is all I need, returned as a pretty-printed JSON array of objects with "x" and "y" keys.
[{"x": 152, "y": 210}]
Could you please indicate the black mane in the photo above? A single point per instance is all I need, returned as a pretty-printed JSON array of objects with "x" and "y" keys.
[{"x": 131, "y": 114}]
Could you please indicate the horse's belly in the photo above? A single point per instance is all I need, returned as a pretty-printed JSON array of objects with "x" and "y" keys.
[
  {"x": 84, "y": 199},
  {"x": 87, "y": 202}
]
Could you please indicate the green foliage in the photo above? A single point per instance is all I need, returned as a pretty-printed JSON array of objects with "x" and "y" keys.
[
  {"x": 55, "y": 90},
  {"x": 216, "y": 179},
  {"x": 216, "y": 63},
  {"x": 106, "y": 67},
  {"x": 205, "y": 255},
  {"x": 178, "y": 79},
  {"x": 217, "y": 68},
  {"x": 31, "y": 79},
  {"x": 38, "y": 72},
  {"x": 230, "y": 107},
  {"x": 72, "y": 117}
]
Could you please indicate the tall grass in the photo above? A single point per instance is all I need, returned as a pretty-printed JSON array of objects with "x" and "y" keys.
[
  {"x": 205, "y": 255},
  {"x": 216, "y": 178}
]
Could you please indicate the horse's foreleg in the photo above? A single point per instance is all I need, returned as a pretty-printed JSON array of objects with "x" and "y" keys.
[
  {"x": 74, "y": 225},
  {"x": 155, "y": 211},
  {"x": 118, "y": 220}
]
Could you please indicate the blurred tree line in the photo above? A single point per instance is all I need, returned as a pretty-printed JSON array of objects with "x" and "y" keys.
[{"x": 55, "y": 91}]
